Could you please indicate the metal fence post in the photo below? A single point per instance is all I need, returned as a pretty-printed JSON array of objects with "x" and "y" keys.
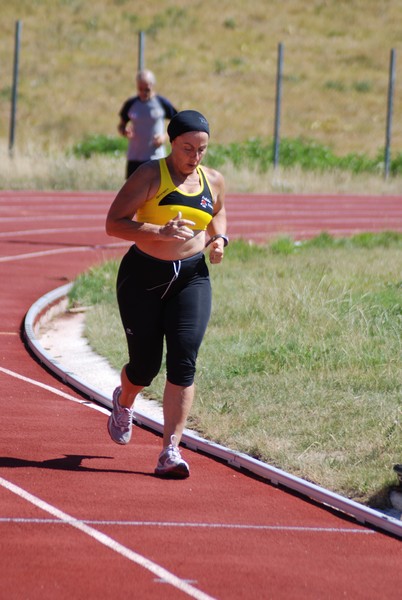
[
  {"x": 388, "y": 134},
  {"x": 14, "y": 95},
  {"x": 141, "y": 53},
  {"x": 278, "y": 100}
]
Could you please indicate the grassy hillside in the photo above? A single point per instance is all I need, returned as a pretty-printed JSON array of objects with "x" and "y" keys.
[{"x": 78, "y": 62}]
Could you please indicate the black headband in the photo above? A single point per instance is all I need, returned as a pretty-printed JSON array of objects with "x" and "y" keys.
[{"x": 187, "y": 120}]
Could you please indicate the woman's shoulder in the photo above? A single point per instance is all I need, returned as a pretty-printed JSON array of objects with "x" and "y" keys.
[
  {"x": 149, "y": 168},
  {"x": 145, "y": 179},
  {"x": 214, "y": 177}
]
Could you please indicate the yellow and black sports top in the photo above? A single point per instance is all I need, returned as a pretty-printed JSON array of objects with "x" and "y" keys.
[{"x": 169, "y": 200}]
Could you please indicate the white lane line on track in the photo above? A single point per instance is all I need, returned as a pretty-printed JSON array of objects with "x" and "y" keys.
[
  {"x": 64, "y": 518},
  {"x": 105, "y": 540},
  {"x": 161, "y": 524},
  {"x": 43, "y": 199},
  {"x": 55, "y": 217},
  {"x": 54, "y": 390},
  {"x": 4, "y": 259},
  {"x": 194, "y": 525},
  {"x": 25, "y": 232}
]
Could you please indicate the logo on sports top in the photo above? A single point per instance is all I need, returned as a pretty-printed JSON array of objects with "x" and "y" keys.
[{"x": 206, "y": 203}]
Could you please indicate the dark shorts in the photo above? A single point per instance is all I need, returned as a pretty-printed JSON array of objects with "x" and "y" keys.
[{"x": 163, "y": 300}]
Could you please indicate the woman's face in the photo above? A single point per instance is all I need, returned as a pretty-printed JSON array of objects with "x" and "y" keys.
[{"x": 189, "y": 149}]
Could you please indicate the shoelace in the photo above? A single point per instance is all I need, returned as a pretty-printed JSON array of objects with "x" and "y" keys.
[
  {"x": 173, "y": 449},
  {"x": 172, "y": 452},
  {"x": 123, "y": 416}
]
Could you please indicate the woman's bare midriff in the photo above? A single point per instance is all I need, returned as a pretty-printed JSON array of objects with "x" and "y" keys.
[{"x": 172, "y": 249}]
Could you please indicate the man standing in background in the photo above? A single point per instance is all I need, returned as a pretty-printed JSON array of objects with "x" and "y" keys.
[{"x": 142, "y": 121}]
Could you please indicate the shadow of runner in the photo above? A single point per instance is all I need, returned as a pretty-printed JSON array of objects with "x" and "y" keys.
[{"x": 69, "y": 462}]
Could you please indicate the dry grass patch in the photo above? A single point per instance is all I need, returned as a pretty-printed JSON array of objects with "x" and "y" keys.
[
  {"x": 78, "y": 61},
  {"x": 50, "y": 168}
]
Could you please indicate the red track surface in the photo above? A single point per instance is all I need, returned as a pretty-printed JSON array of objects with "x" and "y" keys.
[{"x": 83, "y": 518}]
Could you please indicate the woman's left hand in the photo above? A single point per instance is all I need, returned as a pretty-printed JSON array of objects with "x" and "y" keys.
[{"x": 216, "y": 251}]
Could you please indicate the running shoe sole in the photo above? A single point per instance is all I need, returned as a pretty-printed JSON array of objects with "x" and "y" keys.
[{"x": 180, "y": 471}]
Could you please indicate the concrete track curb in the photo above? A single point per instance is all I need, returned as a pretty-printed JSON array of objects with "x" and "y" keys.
[{"x": 361, "y": 513}]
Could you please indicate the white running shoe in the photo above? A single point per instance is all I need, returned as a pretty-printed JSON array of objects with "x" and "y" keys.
[
  {"x": 120, "y": 422},
  {"x": 170, "y": 463}
]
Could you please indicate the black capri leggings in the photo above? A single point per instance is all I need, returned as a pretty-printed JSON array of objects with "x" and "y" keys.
[{"x": 163, "y": 299}]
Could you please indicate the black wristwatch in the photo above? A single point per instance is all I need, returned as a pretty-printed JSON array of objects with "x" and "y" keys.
[{"x": 215, "y": 237}]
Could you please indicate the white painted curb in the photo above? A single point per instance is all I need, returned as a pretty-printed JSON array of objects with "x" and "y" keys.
[{"x": 361, "y": 513}]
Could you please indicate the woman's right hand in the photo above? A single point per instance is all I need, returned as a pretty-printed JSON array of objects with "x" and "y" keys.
[{"x": 178, "y": 228}]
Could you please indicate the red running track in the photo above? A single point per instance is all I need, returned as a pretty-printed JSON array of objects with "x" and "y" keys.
[
  {"x": 83, "y": 518},
  {"x": 260, "y": 217}
]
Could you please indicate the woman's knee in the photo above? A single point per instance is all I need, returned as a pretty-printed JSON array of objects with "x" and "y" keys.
[
  {"x": 181, "y": 372},
  {"x": 141, "y": 375}
]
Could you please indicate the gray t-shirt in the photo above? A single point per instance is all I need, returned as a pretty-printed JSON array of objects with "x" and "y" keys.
[{"x": 147, "y": 119}]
